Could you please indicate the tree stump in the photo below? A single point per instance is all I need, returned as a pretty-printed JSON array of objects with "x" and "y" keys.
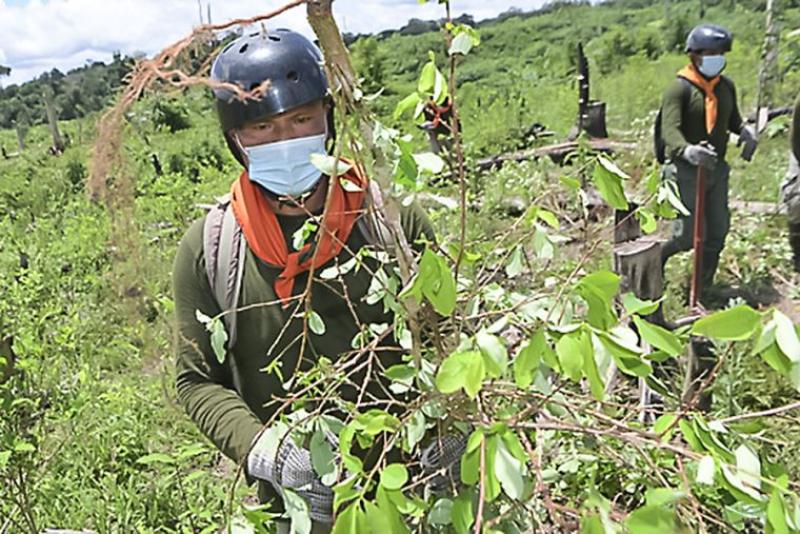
[{"x": 637, "y": 259}]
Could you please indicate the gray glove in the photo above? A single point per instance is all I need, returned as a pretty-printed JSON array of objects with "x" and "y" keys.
[
  {"x": 701, "y": 155},
  {"x": 443, "y": 456},
  {"x": 280, "y": 461},
  {"x": 747, "y": 137}
]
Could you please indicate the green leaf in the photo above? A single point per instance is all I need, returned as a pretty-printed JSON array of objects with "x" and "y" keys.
[
  {"x": 509, "y": 471},
  {"x": 748, "y": 469},
  {"x": 647, "y": 220},
  {"x": 429, "y": 162},
  {"x": 156, "y": 458},
  {"x": 527, "y": 361},
  {"x": 690, "y": 435},
  {"x": 590, "y": 369},
  {"x": 315, "y": 323},
  {"x": 435, "y": 282},
  {"x": 786, "y": 336},
  {"x": 592, "y": 524},
  {"x": 734, "y": 324},
  {"x": 330, "y": 165},
  {"x": 515, "y": 263},
  {"x": 462, "y": 44},
  {"x": 651, "y": 520},
  {"x": 441, "y": 512},
  {"x": 409, "y": 102},
  {"x": 352, "y": 521},
  {"x": 298, "y": 511},
  {"x": 598, "y": 290},
  {"x": 495, "y": 356},
  {"x": 394, "y": 476},
  {"x": 5, "y": 456},
  {"x": 415, "y": 429},
  {"x": 706, "y": 468},
  {"x": 628, "y": 361},
  {"x": 570, "y": 357},
  {"x": 461, "y": 513},
  {"x": 322, "y": 457},
  {"x": 219, "y": 336},
  {"x": 776, "y": 513},
  {"x": 345, "y": 492},
  {"x": 608, "y": 180},
  {"x": 658, "y": 337},
  {"x": 376, "y": 519},
  {"x": 461, "y": 370},
  {"x": 633, "y": 305},
  {"x": 662, "y": 496},
  {"x": 491, "y": 482}
]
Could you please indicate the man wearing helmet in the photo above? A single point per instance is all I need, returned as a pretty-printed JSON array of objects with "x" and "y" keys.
[
  {"x": 699, "y": 109},
  {"x": 274, "y": 137}
]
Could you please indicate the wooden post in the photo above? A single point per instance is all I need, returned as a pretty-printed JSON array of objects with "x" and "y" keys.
[
  {"x": 52, "y": 121},
  {"x": 591, "y": 113},
  {"x": 21, "y": 130}
]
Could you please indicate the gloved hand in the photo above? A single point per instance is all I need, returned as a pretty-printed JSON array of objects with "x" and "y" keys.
[
  {"x": 748, "y": 138},
  {"x": 276, "y": 458},
  {"x": 701, "y": 155},
  {"x": 443, "y": 455}
]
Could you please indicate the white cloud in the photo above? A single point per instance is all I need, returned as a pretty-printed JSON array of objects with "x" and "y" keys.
[{"x": 41, "y": 35}]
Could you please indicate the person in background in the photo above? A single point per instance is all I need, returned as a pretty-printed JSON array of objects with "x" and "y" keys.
[{"x": 699, "y": 110}]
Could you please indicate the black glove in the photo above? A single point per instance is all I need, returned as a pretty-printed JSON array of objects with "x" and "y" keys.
[{"x": 748, "y": 138}]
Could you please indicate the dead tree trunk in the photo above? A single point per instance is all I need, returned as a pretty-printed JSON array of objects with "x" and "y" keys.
[
  {"x": 21, "y": 130},
  {"x": 591, "y": 113},
  {"x": 767, "y": 71},
  {"x": 52, "y": 121}
]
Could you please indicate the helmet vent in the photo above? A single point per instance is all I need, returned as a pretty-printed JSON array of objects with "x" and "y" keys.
[
  {"x": 243, "y": 49},
  {"x": 292, "y": 76},
  {"x": 272, "y": 37}
]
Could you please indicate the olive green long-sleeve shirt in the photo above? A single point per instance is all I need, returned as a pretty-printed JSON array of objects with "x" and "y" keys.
[
  {"x": 227, "y": 401},
  {"x": 686, "y": 125}
]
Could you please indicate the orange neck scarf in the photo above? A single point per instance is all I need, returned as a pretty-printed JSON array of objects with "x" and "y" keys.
[
  {"x": 265, "y": 237},
  {"x": 690, "y": 73}
]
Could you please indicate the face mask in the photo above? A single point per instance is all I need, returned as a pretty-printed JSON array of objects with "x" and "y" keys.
[
  {"x": 711, "y": 66},
  {"x": 284, "y": 167}
]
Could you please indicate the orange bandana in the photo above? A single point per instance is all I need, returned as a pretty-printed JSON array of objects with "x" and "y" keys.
[
  {"x": 265, "y": 237},
  {"x": 690, "y": 73}
]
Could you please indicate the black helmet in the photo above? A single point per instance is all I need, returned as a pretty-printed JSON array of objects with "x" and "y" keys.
[
  {"x": 291, "y": 63},
  {"x": 709, "y": 37}
]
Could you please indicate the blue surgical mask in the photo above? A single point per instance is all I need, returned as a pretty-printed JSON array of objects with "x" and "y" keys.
[
  {"x": 711, "y": 66},
  {"x": 284, "y": 167}
]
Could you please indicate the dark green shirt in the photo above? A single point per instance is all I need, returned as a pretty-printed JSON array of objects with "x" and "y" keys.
[
  {"x": 685, "y": 124},
  {"x": 227, "y": 401}
]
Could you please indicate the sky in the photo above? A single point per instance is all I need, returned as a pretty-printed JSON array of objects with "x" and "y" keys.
[{"x": 39, "y": 35}]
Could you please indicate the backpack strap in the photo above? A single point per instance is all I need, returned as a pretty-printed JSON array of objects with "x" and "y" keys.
[
  {"x": 224, "y": 251},
  {"x": 373, "y": 225}
]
